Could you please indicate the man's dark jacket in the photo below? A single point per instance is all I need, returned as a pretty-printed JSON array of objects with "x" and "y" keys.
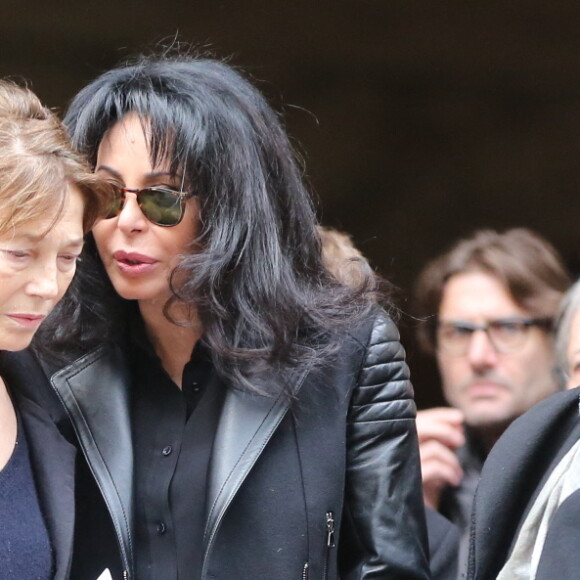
[{"x": 513, "y": 475}]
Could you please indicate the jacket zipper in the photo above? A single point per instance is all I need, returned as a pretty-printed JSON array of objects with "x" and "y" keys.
[
  {"x": 330, "y": 530},
  {"x": 305, "y": 571},
  {"x": 330, "y": 542},
  {"x": 125, "y": 575}
]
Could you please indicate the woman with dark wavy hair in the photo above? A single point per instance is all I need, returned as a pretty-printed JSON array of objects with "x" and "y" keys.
[{"x": 244, "y": 414}]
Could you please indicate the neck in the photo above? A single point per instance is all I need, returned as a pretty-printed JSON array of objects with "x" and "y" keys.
[
  {"x": 487, "y": 437},
  {"x": 173, "y": 341}
]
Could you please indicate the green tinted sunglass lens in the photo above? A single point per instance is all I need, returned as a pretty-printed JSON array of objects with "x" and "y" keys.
[
  {"x": 116, "y": 205},
  {"x": 161, "y": 207}
]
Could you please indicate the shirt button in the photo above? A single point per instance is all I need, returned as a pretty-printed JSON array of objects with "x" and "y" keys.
[
  {"x": 167, "y": 450},
  {"x": 161, "y": 528}
]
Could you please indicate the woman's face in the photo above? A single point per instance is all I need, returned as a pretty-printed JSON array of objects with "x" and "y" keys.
[
  {"x": 36, "y": 270},
  {"x": 139, "y": 255}
]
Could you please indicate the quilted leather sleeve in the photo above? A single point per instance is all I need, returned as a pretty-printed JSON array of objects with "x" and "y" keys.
[{"x": 384, "y": 504}]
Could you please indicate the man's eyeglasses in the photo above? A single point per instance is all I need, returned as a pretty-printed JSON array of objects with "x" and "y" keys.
[
  {"x": 160, "y": 205},
  {"x": 507, "y": 335}
]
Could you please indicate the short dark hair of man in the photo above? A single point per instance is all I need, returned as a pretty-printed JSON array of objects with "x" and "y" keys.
[{"x": 527, "y": 265}]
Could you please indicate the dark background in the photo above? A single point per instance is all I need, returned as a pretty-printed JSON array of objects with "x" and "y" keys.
[{"x": 418, "y": 121}]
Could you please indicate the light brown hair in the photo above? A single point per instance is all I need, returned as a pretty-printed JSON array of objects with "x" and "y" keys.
[
  {"x": 341, "y": 258},
  {"x": 526, "y": 264},
  {"x": 38, "y": 164}
]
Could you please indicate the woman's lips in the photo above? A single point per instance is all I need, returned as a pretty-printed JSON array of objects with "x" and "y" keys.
[
  {"x": 133, "y": 263},
  {"x": 27, "y": 320}
]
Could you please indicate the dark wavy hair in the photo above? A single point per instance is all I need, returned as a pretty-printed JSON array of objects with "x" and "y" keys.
[{"x": 255, "y": 277}]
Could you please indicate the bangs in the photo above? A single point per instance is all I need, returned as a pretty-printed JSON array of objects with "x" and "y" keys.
[
  {"x": 168, "y": 130},
  {"x": 175, "y": 122},
  {"x": 37, "y": 189}
]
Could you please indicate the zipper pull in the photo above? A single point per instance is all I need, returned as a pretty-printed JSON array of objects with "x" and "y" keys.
[
  {"x": 330, "y": 530},
  {"x": 305, "y": 571}
]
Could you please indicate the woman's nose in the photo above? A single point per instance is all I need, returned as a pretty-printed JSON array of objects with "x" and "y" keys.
[
  {"x": 131, "y": 218},
  {"x": 44, "y": 282}
]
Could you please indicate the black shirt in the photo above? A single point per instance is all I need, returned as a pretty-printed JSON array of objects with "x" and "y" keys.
[{"x": 173, "y": 432}]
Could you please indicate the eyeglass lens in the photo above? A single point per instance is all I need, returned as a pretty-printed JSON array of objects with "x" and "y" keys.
[{"x": 505, "y": 335}]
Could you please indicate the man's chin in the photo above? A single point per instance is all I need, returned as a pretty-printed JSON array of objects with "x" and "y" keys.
[{"x": 491, "y": 422}]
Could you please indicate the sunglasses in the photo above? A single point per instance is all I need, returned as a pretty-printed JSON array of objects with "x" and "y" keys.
[{"x": 160, "y": 205}]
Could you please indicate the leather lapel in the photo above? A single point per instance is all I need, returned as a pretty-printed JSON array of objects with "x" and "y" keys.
[
  {"x": 247, "y": 423},
  {"x": 95, "y": 392},
  {"x": 53, "y": 460}
]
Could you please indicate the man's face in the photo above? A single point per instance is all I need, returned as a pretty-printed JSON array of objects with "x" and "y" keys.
[{"x": 490, "y": 387}]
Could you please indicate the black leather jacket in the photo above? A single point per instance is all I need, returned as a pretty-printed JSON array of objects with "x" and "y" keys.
[{"x": 347, "y": 443}]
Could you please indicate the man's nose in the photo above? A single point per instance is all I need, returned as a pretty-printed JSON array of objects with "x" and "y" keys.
[{"x": 481, "y": 352}]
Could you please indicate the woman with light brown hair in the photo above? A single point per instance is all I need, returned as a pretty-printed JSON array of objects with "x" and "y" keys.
[{"x": 48, "y": 201}]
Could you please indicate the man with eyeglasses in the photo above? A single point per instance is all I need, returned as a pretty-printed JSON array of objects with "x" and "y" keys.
[{"x": 487, "y": 306}]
